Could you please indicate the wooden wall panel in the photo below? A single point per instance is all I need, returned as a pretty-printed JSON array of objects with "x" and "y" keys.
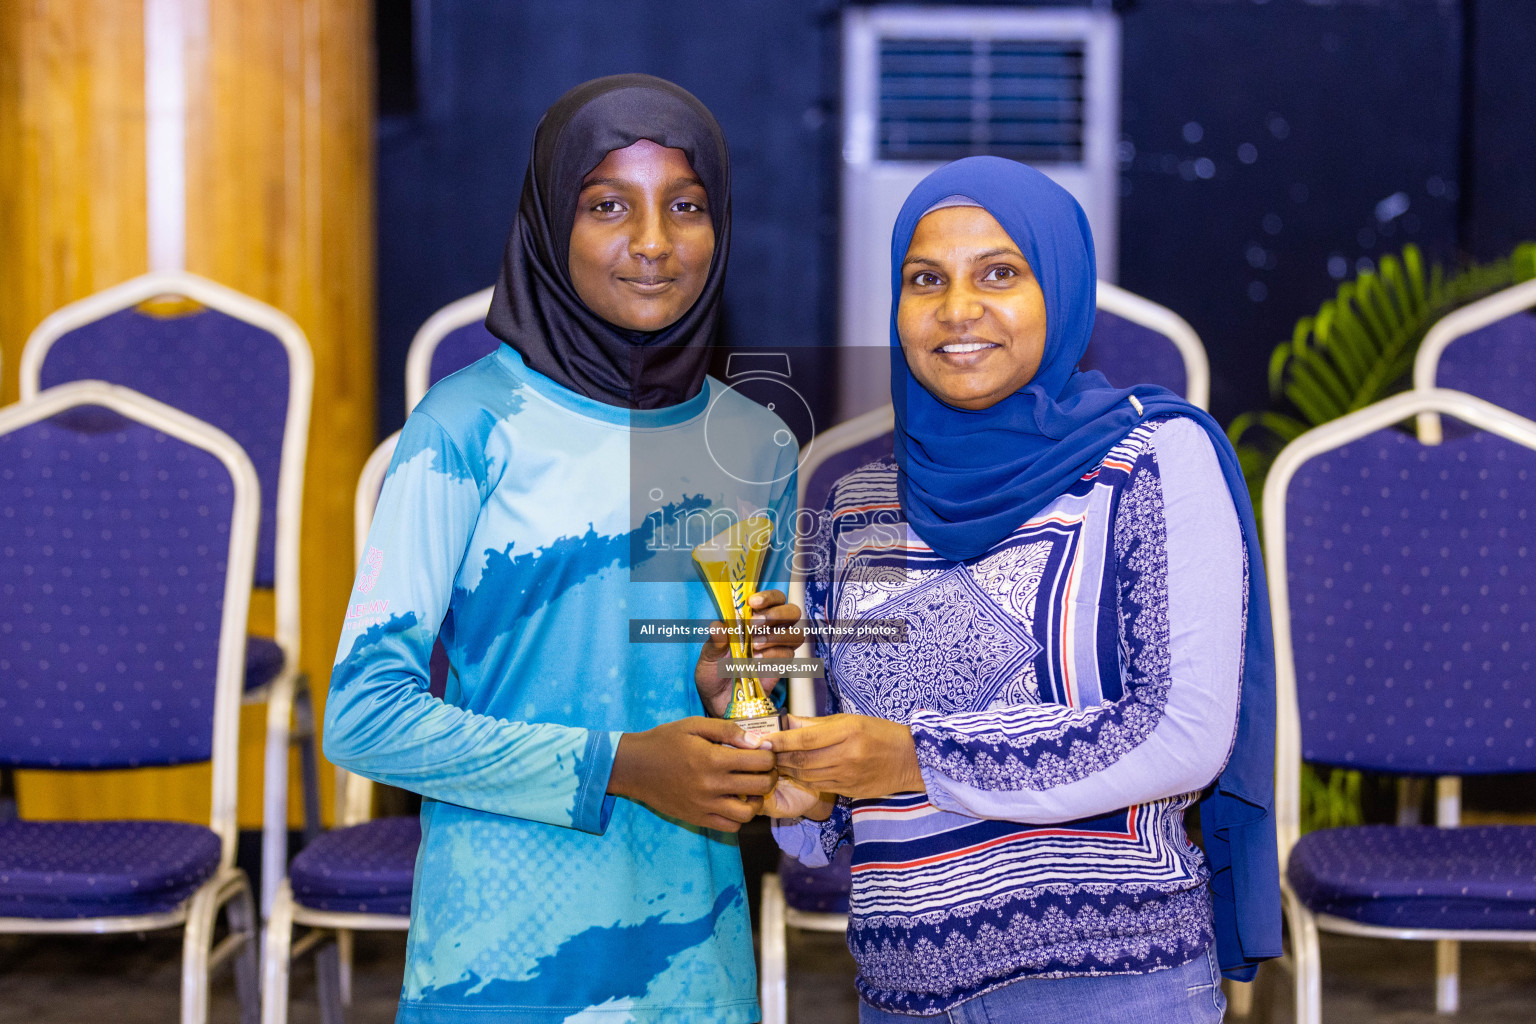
[
  {"x": 71, "y": 159},
  {"x": 279, "y": 206}
]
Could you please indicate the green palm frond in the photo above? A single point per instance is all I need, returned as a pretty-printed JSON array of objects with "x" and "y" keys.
[
  {"x": 1330, "y": 798},
  {"x": 1359, "y": 346}
]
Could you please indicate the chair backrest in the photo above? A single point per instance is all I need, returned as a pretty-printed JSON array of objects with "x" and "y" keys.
[
  {"x": 225, "y": 358},
  {"x": 448, "y": 341},
  {"x": 1403, "y": 584},
  {"x": 1486, "y": 348},
  {"x": 1137, "y": 341},
  {"x": 127, "y": 546}
]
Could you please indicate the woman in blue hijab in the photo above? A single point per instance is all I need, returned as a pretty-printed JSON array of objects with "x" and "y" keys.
[{"x": 1087, "y": 653}]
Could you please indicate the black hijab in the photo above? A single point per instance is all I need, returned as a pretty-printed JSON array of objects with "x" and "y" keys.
[{"x": 535, "y": 308}]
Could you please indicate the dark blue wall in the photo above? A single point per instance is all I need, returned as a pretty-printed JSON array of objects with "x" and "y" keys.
[
  {"x": 1345, "y": 104},
  {"x": 1499, "y": 150},
  {"x": 1309, "y": 117},
  {"x": 449, "y": 175}
]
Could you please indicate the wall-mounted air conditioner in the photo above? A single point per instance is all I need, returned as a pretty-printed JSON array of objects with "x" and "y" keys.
[{"x": 926, "y": 85}]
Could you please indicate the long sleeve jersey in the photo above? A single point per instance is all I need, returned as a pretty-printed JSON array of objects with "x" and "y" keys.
[
  {"x": 526, "y": 526},
  {"x": 1069, "y": 693}
]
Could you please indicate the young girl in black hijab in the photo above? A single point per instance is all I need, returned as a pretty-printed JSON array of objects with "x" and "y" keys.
[{"x": 577, "y": 849}]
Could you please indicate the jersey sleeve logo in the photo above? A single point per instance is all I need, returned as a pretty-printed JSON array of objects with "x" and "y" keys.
[{"x": 373, "y": 565}]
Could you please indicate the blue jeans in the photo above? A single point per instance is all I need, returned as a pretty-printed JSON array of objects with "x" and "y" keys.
[{"x": 1180, "y": 995}]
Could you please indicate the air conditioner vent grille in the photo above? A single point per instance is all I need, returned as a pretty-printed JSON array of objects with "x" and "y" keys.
[{"x": 941, "y": 99}]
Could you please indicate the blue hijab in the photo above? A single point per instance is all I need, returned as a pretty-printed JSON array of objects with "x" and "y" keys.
[{"x": 968, "y": 478}]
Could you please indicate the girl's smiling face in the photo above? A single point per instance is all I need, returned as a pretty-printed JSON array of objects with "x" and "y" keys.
[
  {"x": 642, "y": 240},
  {"x": 971, "y": 316}
]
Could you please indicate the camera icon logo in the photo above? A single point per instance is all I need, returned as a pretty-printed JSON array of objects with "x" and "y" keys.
[{"x": 763, "y": 378}]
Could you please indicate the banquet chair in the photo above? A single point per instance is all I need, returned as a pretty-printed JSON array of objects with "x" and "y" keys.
[
  {"x": 127, "y": 545},
  {"x": 449, "y": 340},
  {"x": 1486, "y": 348},
  {"x": 1399, "y": 577},
  {"x": 245, "y": 368},
  {"x": 356, "y": 877}
]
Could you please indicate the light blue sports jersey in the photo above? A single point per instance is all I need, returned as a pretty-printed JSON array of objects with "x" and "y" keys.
[{"x": 507, "y": 520}]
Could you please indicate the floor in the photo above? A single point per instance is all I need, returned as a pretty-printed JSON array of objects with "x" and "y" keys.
[{"x": 131, "y": 979}]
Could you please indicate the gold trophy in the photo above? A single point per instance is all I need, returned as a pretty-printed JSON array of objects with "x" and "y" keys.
[{"x": 731, "y": 562}]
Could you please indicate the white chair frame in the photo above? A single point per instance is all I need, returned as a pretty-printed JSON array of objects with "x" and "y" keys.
[
  {"x": 418, "y": 361},
  {"x": 228, "y": 888},
  {"x": 1457, "y": 324},
  {"x": 1426, "y": 371},
  {"x": 1305, "y": 957},
  {"x": 1138, "y": 310},
  {"x": 354, "y": 805},
  {"x": 288, "y": 693}
]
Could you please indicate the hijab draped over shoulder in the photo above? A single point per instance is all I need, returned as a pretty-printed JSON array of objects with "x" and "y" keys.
[
  {"x": 535, "y": 308},
  {"x": 968, "y": 478}
]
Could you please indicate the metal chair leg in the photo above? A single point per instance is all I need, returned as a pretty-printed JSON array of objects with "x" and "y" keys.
[
  {"x": 241, "y": 914},
  {"x": 1410, "y": 798},
  {"x": 344, "y": 947},
  {"x": 309, "y": 763},
  {"x": 328, "y": 983},
  {"x": 774, "y": 988},
  {"x": 1306, "y": 962},
  {"x": 274, "y": 817},
  {"x": 275, "y": 958},
  {"x": 1447, "y": 953},
  {"x": 1447, "y": 976},
  {"x": 196, "y": 947}
]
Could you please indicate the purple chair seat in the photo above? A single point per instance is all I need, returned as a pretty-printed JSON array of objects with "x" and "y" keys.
[
  {"x": 1420, "y": 876},
  {"x": 263, "y": 661},
  {"x": 818, "y": 890},
  {"x": 365, "y": 868},
  {"x": 73, "y": 869}
]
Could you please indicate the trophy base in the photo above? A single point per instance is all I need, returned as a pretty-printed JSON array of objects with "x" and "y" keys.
[{"x": 760, "y": 725}]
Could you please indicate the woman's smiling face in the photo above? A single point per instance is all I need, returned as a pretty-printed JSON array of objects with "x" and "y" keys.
[
  {"x": 971, "y": 316},
  {"x": 642, "y": 241}
]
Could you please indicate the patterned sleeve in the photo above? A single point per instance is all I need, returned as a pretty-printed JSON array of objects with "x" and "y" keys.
[
  {"x": 380, "y": 720},
  {"x": 1181, "y": 585},
  {"x": 815, "y": 843}
]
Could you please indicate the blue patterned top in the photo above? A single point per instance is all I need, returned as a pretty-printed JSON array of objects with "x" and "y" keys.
[
  {"x": 1070, "y": 692},
  {"x": 526, "y": 526}
]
